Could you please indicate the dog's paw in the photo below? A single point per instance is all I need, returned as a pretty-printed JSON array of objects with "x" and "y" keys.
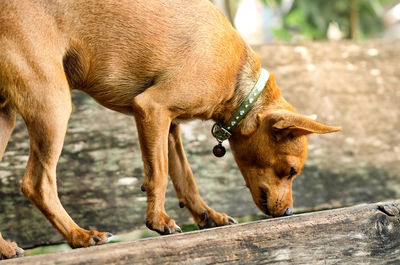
[
  {"x": 84, "y": 238},
  {"x": 10, "y": 250},
  {"x": 211, "y": 219},
  {"x": 163, "y": 224}
]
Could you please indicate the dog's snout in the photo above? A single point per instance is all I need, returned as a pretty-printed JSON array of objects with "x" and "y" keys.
[{"x": 288, "y": 212}]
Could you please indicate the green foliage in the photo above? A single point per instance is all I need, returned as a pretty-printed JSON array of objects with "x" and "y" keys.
[{"x": 311, "y": 18}]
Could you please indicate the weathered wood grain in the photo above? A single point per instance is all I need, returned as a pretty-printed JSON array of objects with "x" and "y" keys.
[{"x": 364, "y": 234}]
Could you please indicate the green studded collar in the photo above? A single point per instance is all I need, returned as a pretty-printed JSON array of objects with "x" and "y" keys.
[{"x": 223, "y": 132}]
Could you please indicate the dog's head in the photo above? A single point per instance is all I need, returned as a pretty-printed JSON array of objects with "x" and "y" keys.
[{"x": 270, "y": 148}]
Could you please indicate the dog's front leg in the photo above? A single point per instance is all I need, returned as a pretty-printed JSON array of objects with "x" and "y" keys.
[
  {"x": 153, "y": 120},
  {"x": 185, "y": 186}
]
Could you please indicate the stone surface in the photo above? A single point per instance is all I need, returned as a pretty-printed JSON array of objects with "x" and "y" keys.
[{"x": 353, "y": 85}]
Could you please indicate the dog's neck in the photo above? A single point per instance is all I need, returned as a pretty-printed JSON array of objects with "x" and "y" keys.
[
  {"x": 247, "y": 77},
  {"x": 223, "y": 132}
]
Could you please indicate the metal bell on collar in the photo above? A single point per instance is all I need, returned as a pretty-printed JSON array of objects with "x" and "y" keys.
[
  {"x": 219, "y": 150},
  {"x": 221, "y": 134}
]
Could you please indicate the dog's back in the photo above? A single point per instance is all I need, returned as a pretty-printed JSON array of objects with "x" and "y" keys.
[{"x": 115, "y": 47}]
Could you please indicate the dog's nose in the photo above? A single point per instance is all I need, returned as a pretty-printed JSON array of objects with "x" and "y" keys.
[{"x": 288, "y": 212}]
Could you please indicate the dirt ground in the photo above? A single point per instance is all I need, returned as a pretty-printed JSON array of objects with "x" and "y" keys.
[{"x": 349, "y": 84}]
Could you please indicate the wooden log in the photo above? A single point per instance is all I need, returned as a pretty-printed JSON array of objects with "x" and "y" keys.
[{"x": 363, "y": 234}]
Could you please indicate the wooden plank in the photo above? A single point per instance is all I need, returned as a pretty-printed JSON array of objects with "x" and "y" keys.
[{"x": 362, "y": 234}]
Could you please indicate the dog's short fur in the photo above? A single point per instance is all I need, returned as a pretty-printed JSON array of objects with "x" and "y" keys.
[{"x": 161, "y": 61}]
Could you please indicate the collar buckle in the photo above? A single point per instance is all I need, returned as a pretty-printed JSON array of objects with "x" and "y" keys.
[{"x": 220, "y": 133}]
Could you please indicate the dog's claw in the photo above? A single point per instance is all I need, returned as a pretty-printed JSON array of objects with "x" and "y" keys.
[
  {"x": 166, "y": 229},
  {"x": 87, "y": 238},
  {"x": 18, "y": 253},
  {"x": 232, "y": 221},
  {"x": 108, "y": 235},
  {"x": 209, "y": 222},
  {"x": 178, "y": 229}
]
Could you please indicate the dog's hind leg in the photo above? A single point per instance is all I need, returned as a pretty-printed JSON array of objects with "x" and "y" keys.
[
  {"x": 7, "y": 121},
  {"x": 9, "y": 250},
  {"x": 46, "y": 115},
  {"x": 185, "y": 186}
]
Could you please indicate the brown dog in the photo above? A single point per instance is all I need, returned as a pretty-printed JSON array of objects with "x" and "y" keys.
[{"x": 162, "y": 61}]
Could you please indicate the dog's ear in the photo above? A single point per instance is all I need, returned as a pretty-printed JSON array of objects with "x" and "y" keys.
[{"x": 285, "y": 122}]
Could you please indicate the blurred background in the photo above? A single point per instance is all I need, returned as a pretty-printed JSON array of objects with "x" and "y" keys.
[
  {"x": 264, "y": 21},
  {"x": 338, "y": 59}
]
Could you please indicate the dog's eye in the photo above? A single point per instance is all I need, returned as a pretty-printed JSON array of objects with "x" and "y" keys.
[
  {"x": 287, "y": 173},
  {"x": 293, "y": 172}
]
